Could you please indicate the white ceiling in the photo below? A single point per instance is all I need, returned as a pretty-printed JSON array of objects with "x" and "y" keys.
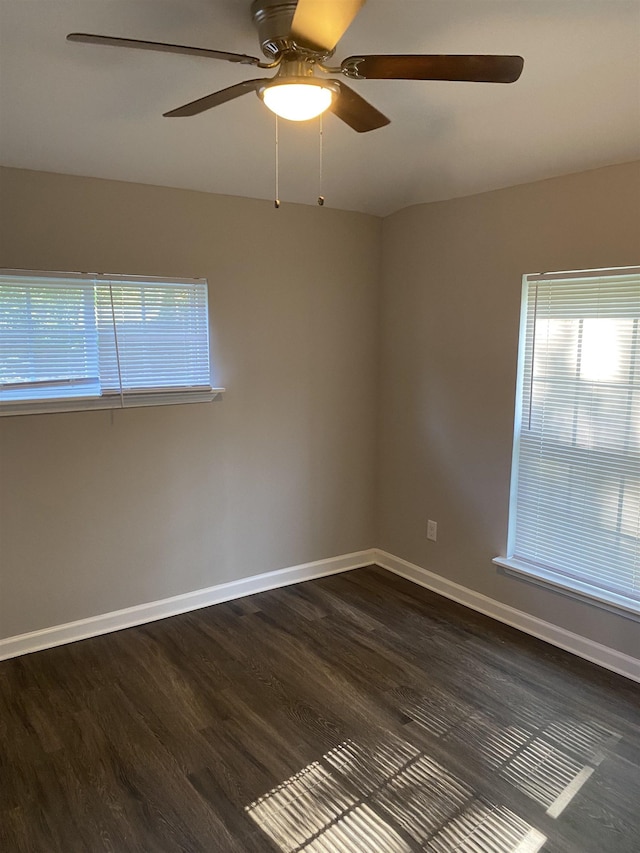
[{"x": 91, "y": 110}]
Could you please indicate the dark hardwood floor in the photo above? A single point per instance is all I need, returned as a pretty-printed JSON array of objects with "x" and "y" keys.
[{"x": 353, "y": 713}]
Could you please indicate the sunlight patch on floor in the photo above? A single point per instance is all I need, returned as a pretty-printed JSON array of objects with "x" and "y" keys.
[
  {"x": 388, "y": 797},
  {"x": 548, "y": 758}
]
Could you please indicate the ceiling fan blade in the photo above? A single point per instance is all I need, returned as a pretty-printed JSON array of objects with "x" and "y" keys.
[
  {"x": 216, "y": 98},
  {"x": 356, "y": 112},
  {"x": 477, "y": 69},
  {"x": 322, "y": 23},
  {"x": 90, "y": 38}
]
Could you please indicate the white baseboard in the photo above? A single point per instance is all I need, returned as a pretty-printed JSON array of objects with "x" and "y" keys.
[
  {"x": 57, "y": 635},
  {"x": 581, "y": 646},
  {"x": 138, "y": 615}
]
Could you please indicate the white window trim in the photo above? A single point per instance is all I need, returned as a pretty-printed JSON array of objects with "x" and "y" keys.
[
  {"x": 538, "y": 576},
  {"x": 111, "y": 401},
  {"x": 535, "y": 573},
  {"x": 137, "y": 399}
]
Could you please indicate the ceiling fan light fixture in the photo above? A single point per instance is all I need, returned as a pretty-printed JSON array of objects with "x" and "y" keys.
[{"x": 298, "y": 101}]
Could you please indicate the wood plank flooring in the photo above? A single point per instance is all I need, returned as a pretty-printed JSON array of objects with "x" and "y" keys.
[{"x": 357, "y": 713}]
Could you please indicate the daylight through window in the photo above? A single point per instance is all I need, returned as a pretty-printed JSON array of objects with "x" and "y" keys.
[
  {"x": 71, "y": 341},
  {"x": 575, "y": 501}
]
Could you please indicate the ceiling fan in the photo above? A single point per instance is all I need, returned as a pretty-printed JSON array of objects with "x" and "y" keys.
[{"x": 298, "y": 37}]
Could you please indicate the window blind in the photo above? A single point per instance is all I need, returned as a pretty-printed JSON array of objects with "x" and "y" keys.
[
  {"x": 70, "y": 341},
  {"x": 576, "y": 477}
]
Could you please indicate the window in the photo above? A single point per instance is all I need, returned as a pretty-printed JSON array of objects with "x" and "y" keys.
[
  {"x": 72, "y": 341},
  {"x": 575, "y": 495}
]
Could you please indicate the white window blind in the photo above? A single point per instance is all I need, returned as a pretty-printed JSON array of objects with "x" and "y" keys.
[
  {"x": 575, "y": 512},
  {"x": 71, "y": 341}
]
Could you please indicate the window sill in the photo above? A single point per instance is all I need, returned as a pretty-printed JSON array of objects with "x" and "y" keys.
[
  {"x": 113, "y": 401},
  {"x": 531, "y": 573}
]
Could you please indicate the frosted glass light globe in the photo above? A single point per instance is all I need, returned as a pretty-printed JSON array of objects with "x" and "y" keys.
[{"x": 297, "y": 101}]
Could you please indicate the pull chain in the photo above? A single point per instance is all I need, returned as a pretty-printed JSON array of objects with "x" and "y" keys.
[
  {"x": 320, "y": 196},
  {"x": 276, "y": 202}
]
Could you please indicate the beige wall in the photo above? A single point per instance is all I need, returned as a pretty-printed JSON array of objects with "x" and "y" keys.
[
  {"x": 450, "y": 307},
  {"x": 104, "y": 510},
  {"x": 100, "y": 511}
]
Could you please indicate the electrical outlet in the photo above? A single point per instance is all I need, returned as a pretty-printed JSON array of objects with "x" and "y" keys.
[{"x": 432, "y": 530}]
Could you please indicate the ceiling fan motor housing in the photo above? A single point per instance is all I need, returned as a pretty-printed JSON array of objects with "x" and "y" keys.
[{"x": 273, "y": 20}]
